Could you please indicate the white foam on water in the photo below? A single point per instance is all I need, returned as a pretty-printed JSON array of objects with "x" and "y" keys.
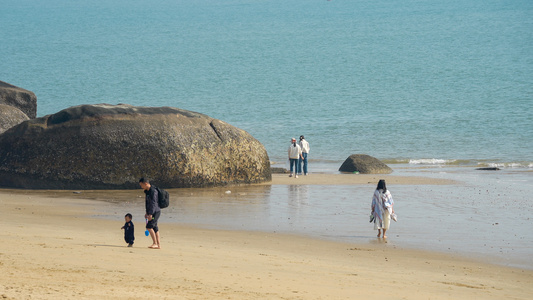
[
  {"x": 510, "y": 165},
  {"x": 430, "y": 161}
]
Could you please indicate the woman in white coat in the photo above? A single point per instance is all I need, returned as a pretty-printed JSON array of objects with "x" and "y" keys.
[{"x": 382, "y": 208}]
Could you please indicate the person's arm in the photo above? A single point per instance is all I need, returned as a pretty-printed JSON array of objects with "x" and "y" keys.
[
  {"x": 132, "y": 231},
  {"x": 390, "y": 201},
  {"x": 375, "y": 199},
  {"x": 152, "y": 204}
]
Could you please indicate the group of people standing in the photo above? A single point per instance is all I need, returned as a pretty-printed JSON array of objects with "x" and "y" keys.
[{"x": 298, "y": 156}]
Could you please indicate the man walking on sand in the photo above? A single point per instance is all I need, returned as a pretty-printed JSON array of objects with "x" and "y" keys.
[{"x": 152, "y": 211}]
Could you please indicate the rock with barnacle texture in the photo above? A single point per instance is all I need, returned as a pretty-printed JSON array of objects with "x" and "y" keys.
[
  {"x": 10, "y": 116},
  {"x": 111, "y": 146},
  {"x": 20, "y": 98}
]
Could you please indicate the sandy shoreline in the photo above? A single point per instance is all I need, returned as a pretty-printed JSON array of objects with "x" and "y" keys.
[
  {"x": 355, "y": 179},
  {"x": 54, "y": 247},
  {"x": 277, "y": 179}
]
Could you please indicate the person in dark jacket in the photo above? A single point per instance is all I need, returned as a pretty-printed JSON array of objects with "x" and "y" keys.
[
  {"x": 129, "y": 230},
  {"x": 153, "y": 212}
]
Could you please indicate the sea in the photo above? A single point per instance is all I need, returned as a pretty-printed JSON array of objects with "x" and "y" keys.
[{"x": 432, "y": 88}]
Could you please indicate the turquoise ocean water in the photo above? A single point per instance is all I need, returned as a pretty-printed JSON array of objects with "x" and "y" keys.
[
  {"x": 419, "y": 81},
  {"x": 434, "y": 88}
]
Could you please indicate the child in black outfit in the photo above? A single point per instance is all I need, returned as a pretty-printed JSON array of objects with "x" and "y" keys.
[{"x": 129, "y": 236}]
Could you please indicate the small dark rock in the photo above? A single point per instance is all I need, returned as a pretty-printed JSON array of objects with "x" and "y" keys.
[
  {"x": 488, "y": 169},
  {"x": 364, "y": 164},
  {"x": 279, "y": 171}
]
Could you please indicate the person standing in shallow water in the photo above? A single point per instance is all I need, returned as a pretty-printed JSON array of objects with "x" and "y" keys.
[
  {"x": 382, "y": 208},
  {"x": 295, "y": 153},
  {"x": 305, "y": 151},
  {"x": 153, "y": 212}
]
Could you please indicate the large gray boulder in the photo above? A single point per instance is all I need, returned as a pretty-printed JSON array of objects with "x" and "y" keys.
[
  {"x": 19, "y": 98},
  {"x": 112, "y": 146},
  {"x": 364, "y": 164},
  {"x": 10, "y": 116}
]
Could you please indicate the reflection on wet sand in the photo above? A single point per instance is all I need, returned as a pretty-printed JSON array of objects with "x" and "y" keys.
[{"x": 470, "y": 215}]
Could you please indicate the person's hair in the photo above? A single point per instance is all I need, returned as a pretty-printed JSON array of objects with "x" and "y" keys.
[
  {"x": 129, "y": 216},
  {"x": 301, "y": 137},
  {"x": 144, "y": 180},
  {"x": 382, "y": 185}
]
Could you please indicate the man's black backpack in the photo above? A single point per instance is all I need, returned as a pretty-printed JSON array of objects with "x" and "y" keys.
[{"x": 162, "y": 198}]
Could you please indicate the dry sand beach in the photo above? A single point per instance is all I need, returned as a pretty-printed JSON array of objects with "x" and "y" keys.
[{"x": 53, "y": 247}]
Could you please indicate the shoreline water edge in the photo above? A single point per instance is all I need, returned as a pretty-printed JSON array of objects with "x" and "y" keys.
[
  {"x": 249, "y": 241},
  {"x": 459, "y": 211}
]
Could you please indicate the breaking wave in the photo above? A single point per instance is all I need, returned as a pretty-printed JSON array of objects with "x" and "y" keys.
[{"x": 461, "y": 162}]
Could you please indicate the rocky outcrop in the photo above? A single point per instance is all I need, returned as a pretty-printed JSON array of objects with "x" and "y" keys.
[
  {"x": 364, "y": 164},
  {"x": 19, "y": 98},
  {"x": 112, "y": 146},
  {"x": 10, "y": 116}
]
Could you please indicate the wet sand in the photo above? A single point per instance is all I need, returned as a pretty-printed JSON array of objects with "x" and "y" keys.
[
  {"x": 356, "y": 179},
  {"x": 54, "y": 245}
]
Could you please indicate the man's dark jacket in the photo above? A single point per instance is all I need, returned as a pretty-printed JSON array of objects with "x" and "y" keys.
[{"x": 151, "y": 201}]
